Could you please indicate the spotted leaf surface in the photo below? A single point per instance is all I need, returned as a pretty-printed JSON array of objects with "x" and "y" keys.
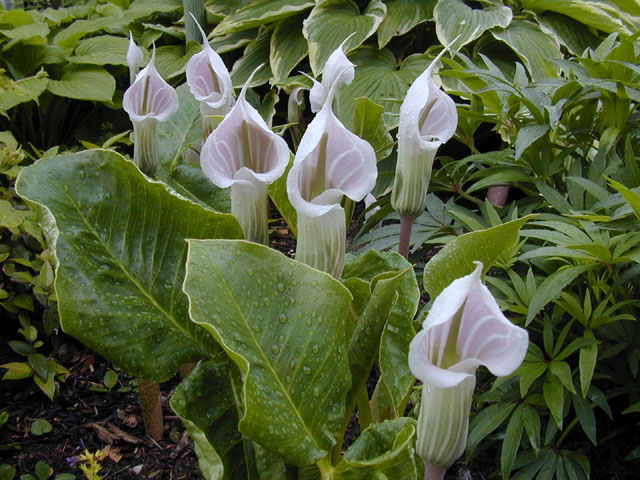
[
  {"x": 121, "y": 253},
  {"x": 283, "y": 324}
]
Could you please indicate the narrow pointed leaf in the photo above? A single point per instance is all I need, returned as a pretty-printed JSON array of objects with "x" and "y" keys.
[
  {"x": 121, "y": 252},
  {"x": 283, "y": 324},
  {"x": 456, "y": 258}
]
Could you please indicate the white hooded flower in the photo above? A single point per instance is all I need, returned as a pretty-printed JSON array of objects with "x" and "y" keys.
[
  {"x": 330, "y": 162},
  {"x": 464, "y": 329},
  {"x": 210, "y": 83},
  {"x": 337, "y": 71},
  {"x": 428, "y": 118},
  {"x": 244, "y": 154},
  {"x": 148, "y": 100}
]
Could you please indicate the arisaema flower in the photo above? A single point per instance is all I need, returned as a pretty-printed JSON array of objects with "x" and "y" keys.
[
  {"x": 210, "y": 82},
  {"x": 337, "y": 71},
  {"x": 135, "y": 57},
  {"x": 464, "y": 329},
  {"x": 428, "y": 118},
  {"x": 148, "y": 100},
  {"x": 331, "y": 162},
  {"x": 244, "y": 154}
]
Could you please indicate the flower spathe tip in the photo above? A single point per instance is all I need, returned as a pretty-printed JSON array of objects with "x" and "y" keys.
[
  {"x": 338, "y": 70},
  {"x": 135, "y": 57}
]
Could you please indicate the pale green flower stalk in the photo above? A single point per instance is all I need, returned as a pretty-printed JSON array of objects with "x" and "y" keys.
[
  {"x": 428, "y": 118},
  {"x": 148, "y": 100},
  {"x": 331, "y": 162},
  {"x": 244, "y": 154},
  {"x": 210, "y": 83},
  {"x": 463, "y": 330}
]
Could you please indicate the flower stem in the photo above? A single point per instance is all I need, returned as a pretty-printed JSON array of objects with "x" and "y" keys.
[
  {"x": 249, "y": 204},
  {"x": 145, "y": 147},
  {"x": 406, "y": 224},
  {"x": 151, "y": 406},
  {"x": 433, "y": 472}
]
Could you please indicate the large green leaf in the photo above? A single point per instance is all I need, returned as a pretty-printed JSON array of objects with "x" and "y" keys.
[
  {"x": 527, "y": 40},
  {"x": 332, "y": 21},
  {"x": 456, "y": 258},
  {"x": 256, "y": 54},
  {"x": 396, "y": 378},
  {"x": 25, "y": 90},
  {"x": 205, "y": 403},
  {"x": 171, "y": 60},
  {"x": 190, "y": 182},
  {"x": 146, "y": 8},
  {"x": 288, "y": 47},
  {"x": 402, "y": 16},
  {"x": 379, "y": 78},
  {"x": 84, "y": 82},
  {"x": 597, "y": 14},
  {"x": 70, "y": 35},
  {"x": 260, "y": 12},
  {"x": 33, "y": 33},
  {"x": 455, "y": 19},
  {"x": 382, "y": 451},
  {"x": 102, "y": 50},
  {"x": 121, "y": 254},
  {"x": 283, "y": 324}
]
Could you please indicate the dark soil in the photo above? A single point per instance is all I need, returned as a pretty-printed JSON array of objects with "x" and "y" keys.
[{"x": 104, "y": 422}]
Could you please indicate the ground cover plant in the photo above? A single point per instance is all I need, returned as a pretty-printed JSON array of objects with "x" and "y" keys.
[{"x": 129, "y": 227}]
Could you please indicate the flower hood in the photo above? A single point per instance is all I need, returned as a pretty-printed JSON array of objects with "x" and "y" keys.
[
  {"x": 243, "y": 147},
  {"x": 463, "y": 330},
  {"x": 150, "y": 97},
  {"x": 208, "y": 77}
]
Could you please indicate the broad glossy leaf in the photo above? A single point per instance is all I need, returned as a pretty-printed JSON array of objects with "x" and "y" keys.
[
  {"x": 84, "y": 82},
  {"x": 121, "y": 252},
  {"x": 189, "y": 182},
  {"x": 456, "y": 258},
  {"x": 205, "y": 403},
  {"x": 102, "y": 50},
  {"x": 454, "y": 18},
  {"x": 527, "y": 40},
  {"x": 146, "y": 8},
  {"x": 32, "y": 33},
  {"x": 283, "y": 324},
  {"x": 382, "y": 451},
  {"x": 379, "y": 78},
  {"x": 288, "y": 47},
  {"x": 260, "y": 12},
  {"x": 332, "y": 21},
  {"x": 232, "y": 41},
  {"x": 402, "y": 16},
  {"x": 255, "y": 54},
  {"x": 369, "y": 125},
  {"x": 569, "y": 32},
  {"x": 29, "y": 58},
  {"x": 396, "y": 378}
]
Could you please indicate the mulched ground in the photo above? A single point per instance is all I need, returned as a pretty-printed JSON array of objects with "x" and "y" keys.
[{"x": 107, "y": 422}]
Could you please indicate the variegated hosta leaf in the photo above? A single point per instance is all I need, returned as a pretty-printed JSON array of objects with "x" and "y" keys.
[
  {"x": 402, "y": 16},
  {"x": 332, "y": 21},
  {"x": 260, "y": 12},
  {"x": 288, "y": 47},
  {"x": 283, "y": 324},
  {"x": 121, "y": 251},
  {"x": 455, "y": 19},
  {"x": 396, "y": 378},
  {"x": 382, "y": 451}
]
